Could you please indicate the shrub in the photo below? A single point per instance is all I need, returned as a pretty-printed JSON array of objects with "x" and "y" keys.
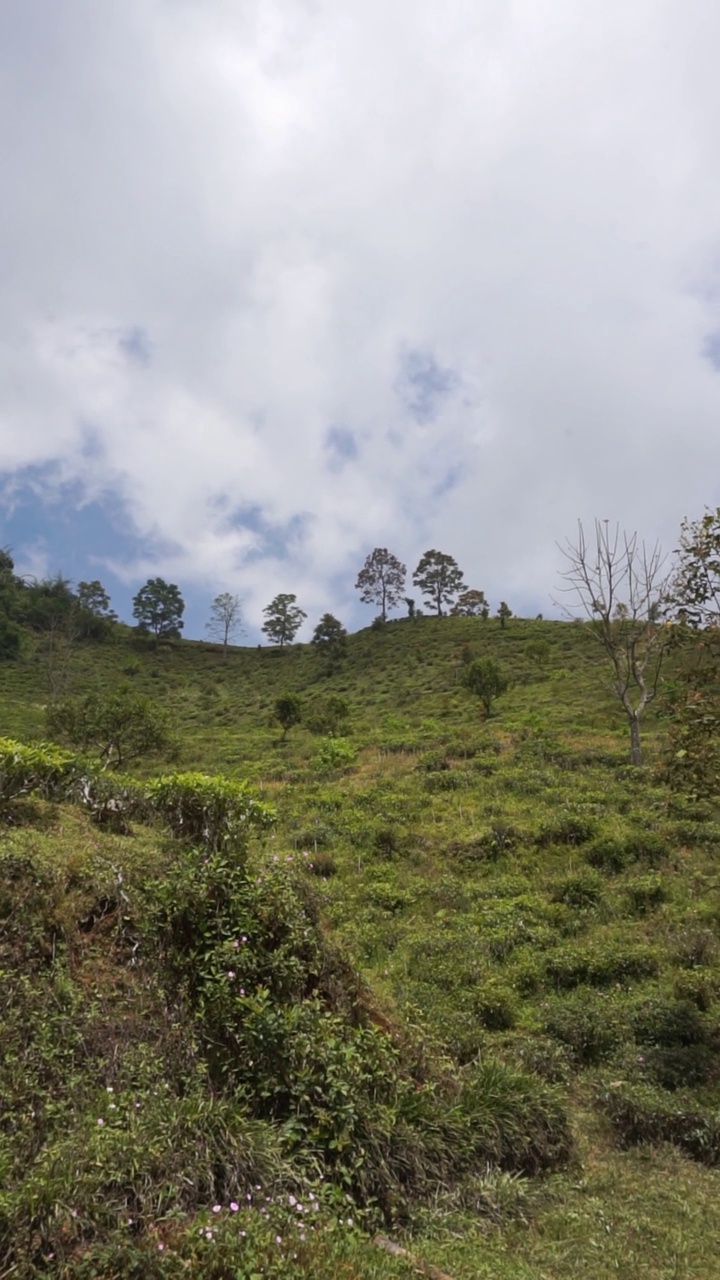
[
  {"x": 645, "y": 894},
  {"x": 581, "y": 890},
  {"x": 328, "y": 716},
  {"x": 697, "y": 947},
  {"x": 495, "y": 1007},
  {"x": 43, "y": 769},
  {"x": 334, "y": 754},
  {"x": 322, "y": 863},
  {"x": 587, "y": 1023},
  {"x": 639, "y": 1114},
  {"x": 280, "y": 1019},
  {"x": 213, "y": 812},
  {"x": 600, "y": 965},
  {"x": 647, "y": 847},
  {"x": 120, "y": 726},
  {"x": 573, "y": 829},
  {"x": 607, "y": 854},
  {"x": 680, "y": 1042},
  {"x": 438, "y": 782}
]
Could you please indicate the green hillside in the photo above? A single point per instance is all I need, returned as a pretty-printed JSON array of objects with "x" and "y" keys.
[{"x": 483, "y": 958}]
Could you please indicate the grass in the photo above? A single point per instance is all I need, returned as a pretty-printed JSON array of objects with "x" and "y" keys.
[{"x": 510, "y": 891}]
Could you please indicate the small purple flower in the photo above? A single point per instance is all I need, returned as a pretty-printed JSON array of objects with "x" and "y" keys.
[
  {"x": 231, "y": 974},
  {"x": 217, "y": 1208},
  {"x": 101, "y": 1121},
  {"x": 234, "y": 1206}
]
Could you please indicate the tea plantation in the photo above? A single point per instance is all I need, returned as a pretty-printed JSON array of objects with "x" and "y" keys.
[{"x": 404, "y": 972}]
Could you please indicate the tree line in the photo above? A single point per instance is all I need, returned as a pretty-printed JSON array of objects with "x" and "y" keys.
[
  {"x": 637, "y": 609},
  {"x": 51, "y": 605}
]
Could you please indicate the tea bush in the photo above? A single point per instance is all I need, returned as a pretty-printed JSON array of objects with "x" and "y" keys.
[
  {"x": 214, "y": 812},
  {"x": 44, "y": 770},
  {"x": 641, "y": 1114}
]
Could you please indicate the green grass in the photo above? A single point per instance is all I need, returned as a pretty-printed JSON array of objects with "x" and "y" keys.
[{"x": 508, "y": 888}]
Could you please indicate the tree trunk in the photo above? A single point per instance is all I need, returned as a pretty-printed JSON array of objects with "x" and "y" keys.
[{"x": 635, "y": 750}]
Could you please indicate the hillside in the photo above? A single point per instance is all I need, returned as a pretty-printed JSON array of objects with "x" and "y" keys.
[{"x": 532, "y": 926}]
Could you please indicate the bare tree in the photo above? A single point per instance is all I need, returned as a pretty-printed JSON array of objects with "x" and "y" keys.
[
  {"x": 225, "y": 619},
  {"x": 621, "y": 586}
]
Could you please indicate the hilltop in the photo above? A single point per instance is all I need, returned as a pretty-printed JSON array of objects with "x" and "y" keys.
[{"x": 528, "y": 923}]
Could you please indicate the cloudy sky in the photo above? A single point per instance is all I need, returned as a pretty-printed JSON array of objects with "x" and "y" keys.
[{"x": 285, "y": 280}]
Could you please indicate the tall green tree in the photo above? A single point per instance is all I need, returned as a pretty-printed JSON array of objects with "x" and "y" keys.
[
  {"x": 95, "y": 617},
  {"x": 93, "y": 598},
  {"x": 485, "y": 679},
  {"x": 470, "y": 604},
  {"x": 693, "y": 697},
  {"x": 695, "y": 587},
  {"x": 330, "y": 638},
  {"x": 225, "y": 619},
  {"x": 158, "y": 608},
  {"x": 504, "y": 612},
  {"x": 288, "y": 711},
  {"x": 283, "y": 619},
  {"x": 381, "y": 580},
  {"x": 439, "y": 579}
]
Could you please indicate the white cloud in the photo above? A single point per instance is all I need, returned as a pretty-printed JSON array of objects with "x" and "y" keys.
[{"x": 227, "y": 226}]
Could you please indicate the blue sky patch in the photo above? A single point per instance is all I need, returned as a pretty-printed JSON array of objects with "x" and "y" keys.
[
  {"x": 136, "y": 345},
  {"x": 341, "y": 445},
  {"x": 424, "y": 384},
  {"x": 711, "y": 349}
]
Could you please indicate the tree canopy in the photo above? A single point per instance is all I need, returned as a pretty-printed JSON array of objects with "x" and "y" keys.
[
  {"x": 695, "y": 588},
  {"x": 330, "y": 638},
  {"x": 158, "y": 608},
  {"x": 439, "y": 578},
  {"x": 119, "y": 726},
  {"x": 381, "y": 580},
  {"x": 283, "y": 619},
  {"x": 470, "y": 604}
]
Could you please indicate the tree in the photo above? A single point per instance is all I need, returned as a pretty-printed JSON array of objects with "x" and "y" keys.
[
  {"x": 95, "y": 617},
  {"x": 120, "y": 726},
  {"x": 288, "y": 711},
  {"x": 225, "y": 619},
  {"x": 330, "y": 638},
  {"x": 538, "y": 651},
  {"x": 470, "y": 604},
  {"x": 693, "y": 759},
  {"x": 328, "y": 716},
  {"x": 93, "y": 598},
  {"x": 49, "y": 604},
  {"x": 159, "y": 607},
  {"x": 621, "y": 587},
  {"x": 486, "y": 680},
  {"x": 284, "y": 619},
  {"x": 439, "y": 579},
  {"x": 504, "y": 612},
  {"x": 381, "y": 580},
  {"x": 695, "y": 588}
]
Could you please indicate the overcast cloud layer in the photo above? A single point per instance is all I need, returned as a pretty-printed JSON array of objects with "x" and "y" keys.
[{"x": 285, "y": 281}]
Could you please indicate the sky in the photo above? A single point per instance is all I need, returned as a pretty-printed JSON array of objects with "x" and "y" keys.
[{"x": 288, "y": 280}]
